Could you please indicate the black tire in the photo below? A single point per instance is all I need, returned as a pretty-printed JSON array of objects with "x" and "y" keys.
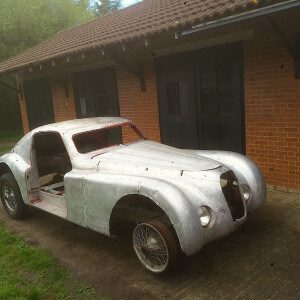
[
  {"x": 11, "y": 197},
  {"x": 169, "y": 241}
]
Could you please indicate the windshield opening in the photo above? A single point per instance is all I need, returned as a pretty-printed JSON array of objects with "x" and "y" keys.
[{"x": 98, "y": 139}]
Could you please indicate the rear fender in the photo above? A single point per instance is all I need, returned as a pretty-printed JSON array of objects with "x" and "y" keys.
[{"x": 18, "y": 167}]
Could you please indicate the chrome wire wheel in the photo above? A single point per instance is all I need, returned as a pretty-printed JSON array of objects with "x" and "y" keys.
[
  {"x": 154, "y": 246},
  {"x": 9, "y": 197}
]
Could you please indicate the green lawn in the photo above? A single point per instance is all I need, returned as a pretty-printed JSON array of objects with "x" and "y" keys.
[
  {"x": 30, "y": 273},
  {"x": 10, "y": 136},
  {"x": 5, "y": 149},
  {"x": 8, "y": 139}
]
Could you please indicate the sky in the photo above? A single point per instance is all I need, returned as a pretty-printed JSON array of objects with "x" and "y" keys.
[
  {"x": 128, "y": 2},
  {"x": 124, "y": 2}
]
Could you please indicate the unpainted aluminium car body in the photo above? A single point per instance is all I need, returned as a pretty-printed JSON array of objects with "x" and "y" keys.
[{"x": 184, "y": 184}]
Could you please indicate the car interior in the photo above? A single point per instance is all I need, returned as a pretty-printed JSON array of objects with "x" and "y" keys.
[{"x": 52, "y": 161}]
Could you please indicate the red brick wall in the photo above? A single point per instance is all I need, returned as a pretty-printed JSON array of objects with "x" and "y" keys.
[
  {"x": 63, "y": 104},
  {"x": 272, "y": 100},
  {"x": 141, "y": 107}
]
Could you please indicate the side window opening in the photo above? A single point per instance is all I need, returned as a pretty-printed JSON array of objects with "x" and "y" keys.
[{"x": 52, "y": 160}]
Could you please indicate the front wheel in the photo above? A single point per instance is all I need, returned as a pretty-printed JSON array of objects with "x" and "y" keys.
[
  {"x": 155, "y": 246},
  {"x": 11, "y": 197}
]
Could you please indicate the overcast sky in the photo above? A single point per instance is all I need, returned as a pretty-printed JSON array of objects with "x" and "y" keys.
[
  {"x": 124, "y": 2},
  {"x": 128, "y": 2}
]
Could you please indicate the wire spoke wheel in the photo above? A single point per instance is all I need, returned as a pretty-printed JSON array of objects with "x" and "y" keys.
[
  {"x": 9, "y": 197},
  {"x": 154, "y": 246}
]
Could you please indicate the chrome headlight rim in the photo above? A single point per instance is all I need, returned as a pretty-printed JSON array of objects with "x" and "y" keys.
[
  {"x": 246, "y": 192},
  {"x": 205, "y": 214}
]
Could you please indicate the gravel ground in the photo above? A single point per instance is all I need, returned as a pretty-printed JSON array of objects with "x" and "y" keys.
[{"x": 259, "y": 261}]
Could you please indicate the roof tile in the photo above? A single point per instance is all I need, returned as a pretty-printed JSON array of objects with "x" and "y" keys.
[{"x": 145, "y": 18}]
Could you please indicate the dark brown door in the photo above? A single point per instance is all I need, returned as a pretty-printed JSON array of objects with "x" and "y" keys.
[
  {"x": 177, "y": 101},
  {"x": 220, "y": 99},
  {"x": 39, "y": 103},
  {"x": 96, "y": 93},
  {"x": 201, "y": 99}
]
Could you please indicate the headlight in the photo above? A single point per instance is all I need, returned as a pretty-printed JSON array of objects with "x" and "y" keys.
[
  {"x": 205, "y": 215},
  {"x": 246, "y": 192}
]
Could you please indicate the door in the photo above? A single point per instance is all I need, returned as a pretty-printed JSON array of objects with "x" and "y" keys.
[
  {"x": 177, "y": 101},
  {"x": 39, "y": 103},
  {"x": 220, "y": 99},
  {"x": 201, "y": 99},
  {"x": 96, "y": 93}
]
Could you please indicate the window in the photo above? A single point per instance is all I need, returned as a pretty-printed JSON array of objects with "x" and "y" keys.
[
  {"x": 98, "y": 139},
  {"x": 177, "y": 97}
]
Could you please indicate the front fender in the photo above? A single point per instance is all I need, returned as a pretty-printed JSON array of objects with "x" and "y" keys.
[
  {"x": 103, "y": 190},
  {"x": 246, "y": 171}
]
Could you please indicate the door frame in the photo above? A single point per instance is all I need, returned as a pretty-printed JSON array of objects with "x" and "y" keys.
[{"x": 193, "y": 54}]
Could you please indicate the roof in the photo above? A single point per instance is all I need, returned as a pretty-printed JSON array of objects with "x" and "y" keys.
[
  {"x": 144, "y": 18},
  {"x": 80, "y": 125}
]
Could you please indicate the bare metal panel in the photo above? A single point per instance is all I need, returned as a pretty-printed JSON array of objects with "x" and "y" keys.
[{"x": 180, "y": 182}]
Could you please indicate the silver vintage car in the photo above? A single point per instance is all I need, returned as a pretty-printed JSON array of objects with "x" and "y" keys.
[{"x": 103, "y": 174}]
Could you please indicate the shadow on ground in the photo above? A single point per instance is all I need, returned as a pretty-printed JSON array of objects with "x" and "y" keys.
[{"x": 259, "y": 260}]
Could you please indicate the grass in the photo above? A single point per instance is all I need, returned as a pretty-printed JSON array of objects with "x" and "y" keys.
[
  {"x": 10, "y": 136},
  {"x": 5, "y": 149},
  {"x": 31, "y": 273},
  {"x": 8, "y": 139}
]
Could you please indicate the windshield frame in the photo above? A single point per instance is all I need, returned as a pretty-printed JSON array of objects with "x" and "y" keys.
[{"x": 104, "y": 149}]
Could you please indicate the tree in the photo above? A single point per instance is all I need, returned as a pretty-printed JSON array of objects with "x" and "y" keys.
[
  {"x": 102, "y": 7},
  {"x": 24, "y": 23}
]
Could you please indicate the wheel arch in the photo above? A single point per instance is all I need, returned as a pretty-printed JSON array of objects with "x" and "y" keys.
[
  {"x": 9, "y": 166},
  {"x": 4, "y": 168},
  {"x": 134, "y": 200},
  {"x": 180, "y": 213}
]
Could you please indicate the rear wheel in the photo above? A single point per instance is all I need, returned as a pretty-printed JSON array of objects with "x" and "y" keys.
[
  {"x": 11, "y": 197},
  {"x": 155, "y": 246}
]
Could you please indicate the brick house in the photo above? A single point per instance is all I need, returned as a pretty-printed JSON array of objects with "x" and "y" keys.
[{"x": 211, "y": 74}]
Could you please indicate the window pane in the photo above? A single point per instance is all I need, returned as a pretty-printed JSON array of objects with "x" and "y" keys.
[
  {"x": 209, "y": 101},
  {"x": 173, "y": 98},
  {"x": 207, "y": 73},
  {"x": 83, "y": 107},
  {"x": 226, "y": 101},
  {"x": 225, "y": 72},
  {"x": 183, "y": 89}
]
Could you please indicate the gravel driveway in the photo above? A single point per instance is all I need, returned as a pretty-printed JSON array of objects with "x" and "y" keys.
[{"x": 260, "y": 260}]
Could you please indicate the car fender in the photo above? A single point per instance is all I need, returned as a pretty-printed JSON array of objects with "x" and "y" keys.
[
  {"x": 103, "y": 190},
  {"x": 246, "y": 171},
  {"x": 18, "y": 167}
]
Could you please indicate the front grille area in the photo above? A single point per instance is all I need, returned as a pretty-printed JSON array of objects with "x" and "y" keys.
[{"x": 232, "y": 194}]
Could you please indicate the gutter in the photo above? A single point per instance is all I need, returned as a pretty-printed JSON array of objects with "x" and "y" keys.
[{"x": 243, "y": 16}]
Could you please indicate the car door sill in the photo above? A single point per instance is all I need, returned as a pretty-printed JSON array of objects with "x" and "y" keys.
[{"x": 54, "y": 204}]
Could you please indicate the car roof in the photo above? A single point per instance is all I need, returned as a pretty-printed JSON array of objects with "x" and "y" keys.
[{"x": 80, "y": 125}]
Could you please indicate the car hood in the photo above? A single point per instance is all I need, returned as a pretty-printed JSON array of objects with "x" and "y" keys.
[{"x": 148, "y": 154}]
